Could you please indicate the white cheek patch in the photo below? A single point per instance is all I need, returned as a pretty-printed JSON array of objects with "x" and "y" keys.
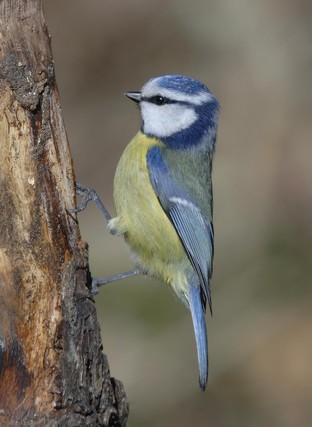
[{"x": 163, "y": 121}]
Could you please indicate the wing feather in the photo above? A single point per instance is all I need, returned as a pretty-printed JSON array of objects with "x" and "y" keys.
[{"x": 195, "y": 232}]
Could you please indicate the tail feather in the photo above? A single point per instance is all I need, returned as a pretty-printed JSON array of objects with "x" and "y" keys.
[{"x": 199, "y": 324}]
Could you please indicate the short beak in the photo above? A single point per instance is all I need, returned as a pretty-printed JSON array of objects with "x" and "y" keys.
[{"x": 134, "y": 96}]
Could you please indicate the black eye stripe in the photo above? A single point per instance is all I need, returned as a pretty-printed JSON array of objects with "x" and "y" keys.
[{"x": 157, "y": 101}]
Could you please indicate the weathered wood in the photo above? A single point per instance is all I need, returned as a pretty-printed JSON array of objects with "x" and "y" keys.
[{"x": 52, "y": 367}]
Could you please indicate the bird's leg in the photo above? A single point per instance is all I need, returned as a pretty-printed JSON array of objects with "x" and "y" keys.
[
  {"x": 87, "y": 195},
  {"x": 97, "y": 282}
]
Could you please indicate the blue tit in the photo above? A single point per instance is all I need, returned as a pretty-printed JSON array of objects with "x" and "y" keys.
[{"x": 163, "y": 193}]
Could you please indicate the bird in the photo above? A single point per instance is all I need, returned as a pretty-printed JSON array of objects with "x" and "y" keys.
[{"x": 163, "y": 194}]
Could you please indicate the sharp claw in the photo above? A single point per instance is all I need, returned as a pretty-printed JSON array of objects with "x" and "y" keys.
[
  {"x": 73, "y": 210},
  {"x": 94, "y": 288}
]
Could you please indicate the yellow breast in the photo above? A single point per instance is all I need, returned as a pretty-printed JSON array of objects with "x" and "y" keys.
[{"x": 140, "y": 217}]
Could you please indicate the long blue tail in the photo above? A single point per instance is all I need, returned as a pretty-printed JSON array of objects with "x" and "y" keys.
[{"x": 199, "y": 324}]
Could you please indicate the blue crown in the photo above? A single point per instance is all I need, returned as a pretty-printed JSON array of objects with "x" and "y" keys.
[{"x": 183, "y": 84}]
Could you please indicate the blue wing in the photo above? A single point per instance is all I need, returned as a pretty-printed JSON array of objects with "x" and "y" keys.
[{"x": 195, "y": 231}]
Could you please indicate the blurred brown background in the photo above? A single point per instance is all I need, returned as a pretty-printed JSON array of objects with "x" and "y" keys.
[{"x": 256, "y": 57}]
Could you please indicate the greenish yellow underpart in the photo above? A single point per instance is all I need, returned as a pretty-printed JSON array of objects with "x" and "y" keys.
[{"x": 155, "y": 245}]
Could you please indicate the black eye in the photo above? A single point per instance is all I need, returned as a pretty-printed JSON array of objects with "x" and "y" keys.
[{"x": 159, "y": 100}]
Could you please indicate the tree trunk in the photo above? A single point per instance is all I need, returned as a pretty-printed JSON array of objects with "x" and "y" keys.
[{"x": 53, "y": 371}]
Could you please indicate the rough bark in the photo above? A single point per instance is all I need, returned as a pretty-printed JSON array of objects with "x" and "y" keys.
[{"x": 53, "y": 371}]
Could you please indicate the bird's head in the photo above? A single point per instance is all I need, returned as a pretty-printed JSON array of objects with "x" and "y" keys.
[{"x": 178, "y": 110}]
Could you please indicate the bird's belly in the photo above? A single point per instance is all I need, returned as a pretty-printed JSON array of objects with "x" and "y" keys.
[{"x": 152, "y": 238}]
